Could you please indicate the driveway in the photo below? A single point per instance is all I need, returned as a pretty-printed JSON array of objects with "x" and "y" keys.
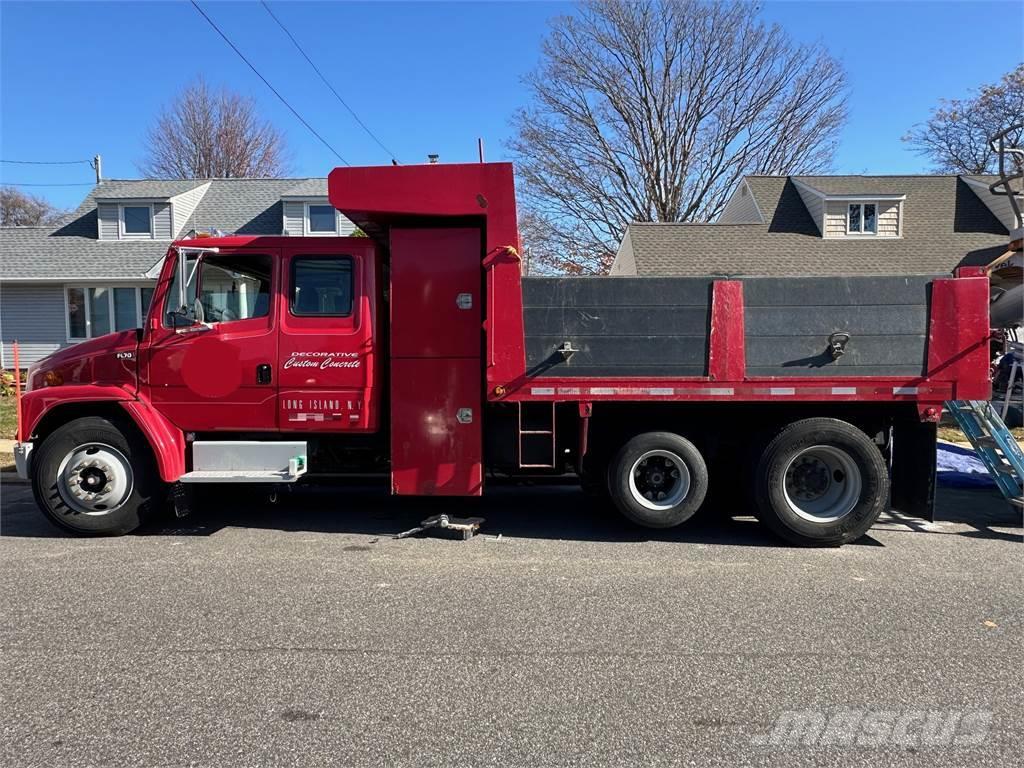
[{"x": 301, "y": 634}]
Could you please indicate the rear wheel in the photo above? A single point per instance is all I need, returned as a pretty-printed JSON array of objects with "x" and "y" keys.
[
  {"x": 90, "y": 476},
  {"x": 658, "y": 479},
  {"x": 821, "y": 482}
]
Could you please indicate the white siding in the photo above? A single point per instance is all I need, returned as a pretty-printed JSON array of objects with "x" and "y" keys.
[
  {"x": 32, "y": 315},
  {"x": 814, "y": 203},
  {"x": 184, "y": 206},
  {"x": 293, "y": 214},
  {"x": 162, "y": 221},
  {"x": 741, "y": 208},
  {"x": 109, "y": 226},
  {"x": 345, "y": 227},
  {"x": 835, "y": 218},
  {"x": 625, "y": 263},
  {"x": 889, "y": 219}
]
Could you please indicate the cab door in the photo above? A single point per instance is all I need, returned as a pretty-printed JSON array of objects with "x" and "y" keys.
[
  {"x": 326, "y": 340},
  {"x": 212, "y": 368}
]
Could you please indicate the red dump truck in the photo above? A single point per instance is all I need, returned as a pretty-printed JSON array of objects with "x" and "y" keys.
[{"x": 422, "y": 354}]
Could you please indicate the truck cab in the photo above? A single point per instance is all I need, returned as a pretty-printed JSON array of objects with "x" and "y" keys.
[{"x": 265, "y": 335}]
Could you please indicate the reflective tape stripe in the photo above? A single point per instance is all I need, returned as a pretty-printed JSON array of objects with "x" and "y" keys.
[
  {"x": 844, "y": 390},
  {"x": 782, "y": 391},
  {"x": 542, "y": 390},
  {"x": 602, "y": 391},
  {"x": 904, "y": 390},
  {"x": 661, "y": 391}
]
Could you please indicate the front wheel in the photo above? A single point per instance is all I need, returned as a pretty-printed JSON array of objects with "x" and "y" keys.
[
  {"x": 821, "y": 482},
  {"x": 90, "y": 476},
  {"x": 658, "y": 480}
]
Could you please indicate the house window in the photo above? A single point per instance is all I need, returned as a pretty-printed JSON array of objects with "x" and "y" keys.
[
  {"x": 93, "y": 310},
  {"x": 136, "y": 221},
  {"x": 321, "y": 219},
  {"x": 862, "y": 219}
]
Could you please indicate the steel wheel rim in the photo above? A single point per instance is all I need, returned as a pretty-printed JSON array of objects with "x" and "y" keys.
[
  {"x": 95, "y": 479},
  {"x": 659, "y": 480},
  {"x": 822, "y": 484}
]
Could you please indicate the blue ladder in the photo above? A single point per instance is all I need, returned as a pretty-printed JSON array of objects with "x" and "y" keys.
[{"x": 994, "y": 444}]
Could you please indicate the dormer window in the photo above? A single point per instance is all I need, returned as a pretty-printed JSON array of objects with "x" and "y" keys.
[
  {"x": 136, "y": 221},
  {"x": 321, "y": 219},
  {"x": 862, "y": 219}
]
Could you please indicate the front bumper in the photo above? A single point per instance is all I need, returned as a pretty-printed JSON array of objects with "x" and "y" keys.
[{"x": 22, "y": 456}]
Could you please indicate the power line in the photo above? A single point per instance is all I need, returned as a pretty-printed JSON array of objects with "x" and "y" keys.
[
  {"x": 24, "y": 184},
  {"x": 267, "y": 83},
  {"x": 316, "y": 69},
  {"x": 47, "y": 162}
]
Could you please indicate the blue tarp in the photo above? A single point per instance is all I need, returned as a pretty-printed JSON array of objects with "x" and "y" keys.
[{"x": 959, "y": 467}]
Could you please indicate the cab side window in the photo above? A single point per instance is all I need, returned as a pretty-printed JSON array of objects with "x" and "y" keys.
[
  {"x": 235, "y": 287},
  {"x": 321, "y": 286}
]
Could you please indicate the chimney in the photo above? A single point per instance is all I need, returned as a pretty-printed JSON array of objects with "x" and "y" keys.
[{"x": 432, "y": 159}]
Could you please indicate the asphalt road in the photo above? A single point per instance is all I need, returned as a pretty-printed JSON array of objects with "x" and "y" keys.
[{"x": 300, "y": 634}]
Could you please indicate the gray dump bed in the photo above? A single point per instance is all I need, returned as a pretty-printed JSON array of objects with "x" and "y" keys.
[{"x": 659, "y": 326}]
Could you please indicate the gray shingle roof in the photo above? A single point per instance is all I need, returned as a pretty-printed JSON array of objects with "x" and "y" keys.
[
  {"x": 308, "y": 188},
  {"x": 242, "y": 206},
  {"x": 944, "y": 225},
  {"x": 31, "y": 253},
  {"x": 113, "y": 189},
  {"x": 72, "y": 251}
]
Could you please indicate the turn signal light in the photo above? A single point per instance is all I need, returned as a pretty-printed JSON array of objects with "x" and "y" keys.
[{"x": 53, "y": 379}]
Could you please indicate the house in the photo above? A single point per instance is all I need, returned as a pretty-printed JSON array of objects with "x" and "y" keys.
[
  {"x": 95, "y": 271},
  {"x": 830, "y": 225}
]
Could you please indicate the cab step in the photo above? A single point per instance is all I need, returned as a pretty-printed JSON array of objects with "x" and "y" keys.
[
  {"x": 246, "y": 461},
  {"x": 238, "y": 476}
]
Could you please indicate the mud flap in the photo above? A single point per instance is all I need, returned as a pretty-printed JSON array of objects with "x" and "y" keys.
[{"x": 912, "y": 468}]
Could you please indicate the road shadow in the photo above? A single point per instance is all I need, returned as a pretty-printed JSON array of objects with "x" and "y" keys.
[
  {"x": 983, "y": 509},
  {"x": 519, "y": 510},
  {"x": 513, "y": 509}
]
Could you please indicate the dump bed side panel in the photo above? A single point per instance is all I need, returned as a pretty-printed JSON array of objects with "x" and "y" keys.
[
  {"x": 789, "y": 321},
  {"x": 660, "y": 326},
  {"x": 622, "y": 327}
]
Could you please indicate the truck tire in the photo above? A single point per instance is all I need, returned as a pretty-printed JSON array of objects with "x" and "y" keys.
[
  {"x": 89, "y": 476},
  {"x": 821, "y": 482},
  {"x": 658, "y": 480}
]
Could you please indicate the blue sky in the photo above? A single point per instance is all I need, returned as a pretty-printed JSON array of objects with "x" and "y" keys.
[{"x": 78, "y": 79}]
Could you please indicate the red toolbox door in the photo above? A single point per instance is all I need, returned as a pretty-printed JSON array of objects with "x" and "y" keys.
[
  {"x": 435, "y": 427},
  {"x": 436, "y": 438}
]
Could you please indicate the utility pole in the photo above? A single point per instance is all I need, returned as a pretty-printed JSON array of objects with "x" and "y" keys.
[{"x": 97, "y": 165}]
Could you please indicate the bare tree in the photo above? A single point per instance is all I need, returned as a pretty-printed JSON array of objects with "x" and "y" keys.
[
  {"x": 207, "y": 134},
  {"x": 19, "y": 209},
  {"x": 653, "y": 111},
  {"x": 955, "y": 136}
]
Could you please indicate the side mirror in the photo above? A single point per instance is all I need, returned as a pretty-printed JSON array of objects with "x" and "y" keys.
[{"x": 180, "y": 317}]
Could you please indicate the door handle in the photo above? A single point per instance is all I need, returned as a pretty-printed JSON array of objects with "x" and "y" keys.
[{"x": 263, "y": 373}]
